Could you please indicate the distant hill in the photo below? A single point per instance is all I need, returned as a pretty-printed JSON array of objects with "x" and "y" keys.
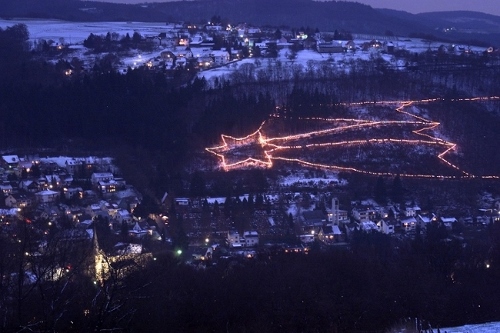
[
  {"x": 326, "y": 16},
  {"x": 455, "y": 25},
  {"x": 473, "y": 22}
]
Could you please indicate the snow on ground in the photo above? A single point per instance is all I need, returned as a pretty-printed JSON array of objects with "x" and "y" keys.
[
  {"x": 62, "y": 161},
  {"x": 301, "y": 178},
  {"x": 76, "y": 32},
  {"x": 476, "y": 328}
]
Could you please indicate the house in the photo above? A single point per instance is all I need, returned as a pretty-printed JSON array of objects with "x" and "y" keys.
[
  {"x": 10, "y": 161},
  {"x": 101, "y": 176},
  {"x": 53, "y": 180},
  {"x": 220, "y": 57},
  {"x": 387, "y": 226},
  {"x": 424, "y": 220},
  {"x": 409, "y": 223},
  {"x": 6, "y": 189},
  {"x": 330, "y": 48},
  {"x": 389, "y": 47},
  {"x": 412, "y": 210},
  {"x": 47, "y": 196},
  {"x": 233, "y": 239},
  {"x": 17, "y": 201},
  {"x": 29, "y": 185},
  {"x": 307, "y": 238},
  {"x": 205, "y": 62},
  {"x": 368, "y": 226},
  {"x": 350, "y": 46},
  {"x": 72, "y": 165},
  {"x": 72, "y": 192},
  {"x": 196, "y": 40},
  {"x": 108, "y": 186},
  {"x": 124, "y": 216},
  {"x": 251, "y": 238},
  {"x": 326, "y": 234},
  {"x": 448, "y": 222},
  {"x": 182, "y": 201},
  {"x": 26, "y": 165},
  {"x": 364, "y": 213},
  {"x": 186, "y": 53}
]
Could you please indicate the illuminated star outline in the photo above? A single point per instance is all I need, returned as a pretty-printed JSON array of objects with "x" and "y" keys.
[
  {"x": 268, "y": 146},
  {"x": 230, "y": 143}
]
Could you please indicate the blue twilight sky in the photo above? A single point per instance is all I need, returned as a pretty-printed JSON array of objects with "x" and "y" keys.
[{"x": 412, "y": 6}]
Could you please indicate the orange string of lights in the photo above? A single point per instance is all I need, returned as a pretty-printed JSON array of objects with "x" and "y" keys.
[{"x": 268, "y": 146}]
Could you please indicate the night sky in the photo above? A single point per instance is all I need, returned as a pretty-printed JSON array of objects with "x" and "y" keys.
[{"x": 412, "y": 6}]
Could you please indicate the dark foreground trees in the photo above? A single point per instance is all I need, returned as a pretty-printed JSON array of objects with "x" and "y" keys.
[{"x": 369, "y": 287}]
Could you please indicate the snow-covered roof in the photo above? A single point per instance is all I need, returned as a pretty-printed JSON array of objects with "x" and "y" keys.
[
  {"x": 219, "y": 200},
  {"x": 369, "y": 225},
  {"x": 10, "y": 159},
  {"x": 9, "y": 212},
  {"x": 47, "y": 192},
  {"x": 409, "y": 220}
]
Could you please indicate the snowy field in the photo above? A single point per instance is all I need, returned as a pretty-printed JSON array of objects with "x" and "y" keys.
[
  {"x": 74, "y": 33},
  {"x": 478, "y": 328},
  {"x": 306, "y": 178}
]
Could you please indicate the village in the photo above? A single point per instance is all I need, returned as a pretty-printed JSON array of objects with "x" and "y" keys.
[
  {"x": 216, "y": 49},
  {"x": 69, "y": 195}
]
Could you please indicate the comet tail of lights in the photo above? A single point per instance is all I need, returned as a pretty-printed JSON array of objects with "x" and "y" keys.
[{"x": 258, "y": 150}]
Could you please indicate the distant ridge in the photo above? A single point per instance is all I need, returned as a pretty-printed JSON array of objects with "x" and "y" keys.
[{"x": 326, "y": 16}]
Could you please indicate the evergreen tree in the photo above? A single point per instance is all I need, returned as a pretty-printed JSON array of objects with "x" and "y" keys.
[
  {"x": 397, "y": 190},
  {"x": 380, "y": 191}
]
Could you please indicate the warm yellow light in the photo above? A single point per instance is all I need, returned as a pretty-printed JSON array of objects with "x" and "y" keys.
[{"x": 269, "y": 146}]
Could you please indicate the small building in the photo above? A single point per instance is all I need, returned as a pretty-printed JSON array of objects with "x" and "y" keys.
[
  {"x": 330, "y": 48},
  {"x": 72, "y": 192},
  {"x": 47, "y": 196},
  {"x": 387, "y": 226},
  {"x": 412, "y": 210},
  {"x": 17, "y": 201},
  {"x": 448, "y": 222},
  {"x": 101, "y": 177},
  {"x": 251, "y": 238},
  {"x": 205, "y": 62},
  {"x": 6, "y": 189},
  {"x": 326, "y": 234},
  {"x": 10, "y": 161},
  {"x": 233, "y": 239},
  {"x": 220, "y": 57},
  {"x": 363, "y": 213},
  {"x": 307, "y": 238},
  {"x": 409, "y": 223},
  {"x": 424, "y": 220}
]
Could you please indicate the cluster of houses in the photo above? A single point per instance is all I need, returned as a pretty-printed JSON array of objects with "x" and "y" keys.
[
  {"x": 81, "y": 190},
  {"x": 321, "y": 219},
  {"x": 336, "y": 225},
  {"x": 211, "y": 45},
  {"x": 77, "y": 190}
]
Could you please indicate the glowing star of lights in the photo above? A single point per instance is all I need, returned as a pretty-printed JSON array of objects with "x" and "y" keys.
[
  {"x": 243, "y": 152},
  {"x": 258, "y": 150}
]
